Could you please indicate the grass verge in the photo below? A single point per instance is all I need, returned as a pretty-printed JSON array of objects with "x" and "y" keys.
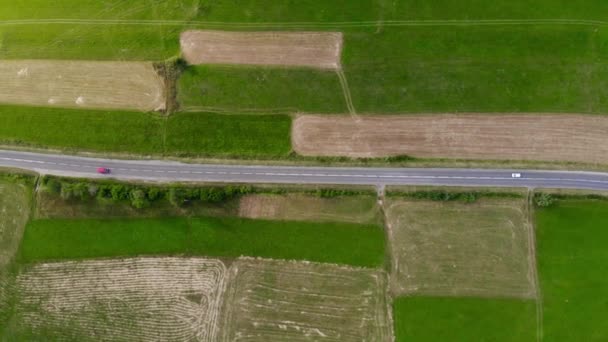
[{"x": 342, "y": 243}]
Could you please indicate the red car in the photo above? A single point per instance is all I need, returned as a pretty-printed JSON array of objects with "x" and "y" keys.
[{"x": 103, "y": 170}]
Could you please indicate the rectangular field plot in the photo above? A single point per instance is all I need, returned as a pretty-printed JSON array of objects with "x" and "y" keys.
[
  {"x": 456, "y": 249},
  {"x": 572, "y": 265},
  {"x": 305, "y": 49},
  {"x": 105, "y": 85},
  {"x": 461, "y": 136},
  {"x": 290, "y": 301},
  {"x": 298, "y": 207},
  {"x": 464, "y": 319},
  {"x": 229, "y": 237},
  {"x": 142, "y": 299}
]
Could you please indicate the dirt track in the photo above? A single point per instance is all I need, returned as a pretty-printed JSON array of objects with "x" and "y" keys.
[
  {"x": 308, "y": 49},
  {"x": 79, "y": 84},
  {"x": 545, "y": 137}
]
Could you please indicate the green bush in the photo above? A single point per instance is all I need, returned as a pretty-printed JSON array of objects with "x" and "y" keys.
[
  {"x": 544, "y": 200},
  {"x": 139, "y": 199}
]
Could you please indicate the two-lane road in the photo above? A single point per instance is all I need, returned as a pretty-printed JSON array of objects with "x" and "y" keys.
[{"x": 166, "y": 171}]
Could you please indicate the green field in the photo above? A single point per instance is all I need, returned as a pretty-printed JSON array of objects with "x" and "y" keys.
[
  {"x": 191, "y": 134},
  {"x": 343, "y": 243},
  {"x": 206, "y": 134},
  {"x": 464, "y": 319},
  {"x": 261, "y": 90},
  {"x": 573, "y": 263}
]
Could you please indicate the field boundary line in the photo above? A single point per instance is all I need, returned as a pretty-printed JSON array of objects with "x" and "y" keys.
[
  {"x": 346, "y": 92},
  {"x": 534, "y": 264},
  {"x": 293, "y": 25},
  {"x": 239, "y": 111}
]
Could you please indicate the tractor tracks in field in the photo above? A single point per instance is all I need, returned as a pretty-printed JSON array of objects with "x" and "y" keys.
[
  {"x": 534, "y": 264},
  {"x": 310, "y": 25}
]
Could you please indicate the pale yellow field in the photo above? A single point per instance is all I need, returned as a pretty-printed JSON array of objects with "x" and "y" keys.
[
  {"x": 306, "y": 49},
  {"x": 542, "y": 137},
  {"x": 82, "y": 84},
  {"x": 137, "y": 299},
  {"x": 458, "y": 249},
  {"x": 271, "y": 300}
]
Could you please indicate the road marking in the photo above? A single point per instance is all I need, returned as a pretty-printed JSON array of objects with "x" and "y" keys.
[{"x": 517, "y": 181}]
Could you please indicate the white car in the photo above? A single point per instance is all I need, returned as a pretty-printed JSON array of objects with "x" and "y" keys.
[{"x": 516, "y": 175}]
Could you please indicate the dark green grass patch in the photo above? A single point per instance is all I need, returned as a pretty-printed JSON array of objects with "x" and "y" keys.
[
  {"x": 187, "y": 134},
  {"x": 103, "y": 131},
  {"x": 573, "y": 263},
  {"x": 353, "y": 244},
  {"x": 464, "y": 319},
  {"x": 261, "y": 88},
  {"x": 206, "y": 134}
]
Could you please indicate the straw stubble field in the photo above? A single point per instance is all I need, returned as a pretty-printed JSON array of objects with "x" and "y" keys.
[
  {"x": 169, "y": 299},
  {"x": 270, "y": 300},
  {"x": 301, "y": 49},
  {"x": 547, "y": 137},
  {"x": 82, "y": 84}
]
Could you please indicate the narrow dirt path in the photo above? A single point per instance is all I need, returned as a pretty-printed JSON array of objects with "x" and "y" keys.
[
  {"x": 346, "y": 92},
  {"x": 534, "y": 264}
]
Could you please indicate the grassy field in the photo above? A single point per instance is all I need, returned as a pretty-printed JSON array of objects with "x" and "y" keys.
[
  {"x": 464, "y": 319},
  {"x": 261, "y": 89},
  {"x": 360, "y": 245},
  {"x": 103, "y": 131},
  {"x": 495, "y": 67},
  {"x": 555, "y": 68},
  {"x": 573, "y": 263},
  {"x": 192, "y": 134},
  {"x": 478, "y": 249},
  {"x": 206, "y": 134}
]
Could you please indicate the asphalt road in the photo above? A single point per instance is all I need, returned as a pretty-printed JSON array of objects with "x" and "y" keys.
[{"x": 166, "y": 171}]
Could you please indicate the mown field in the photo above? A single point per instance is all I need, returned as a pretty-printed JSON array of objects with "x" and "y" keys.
[
  {"x": 342, "y": 243},
  {"x": 464, "y": 319},
  {"x": 190, "y": 134},
  {"x": 573, "y": 262}
]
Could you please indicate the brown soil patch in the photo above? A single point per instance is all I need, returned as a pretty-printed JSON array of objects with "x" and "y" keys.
[
  {"x": 269, "y": 300},
  {"x": 297, "y": 207},
  {"x": 307, "y": 49},
  {"x": 543, "y": 137},
  {"x": 82, "y": 84},
  {"x": 457, "y": 249}
]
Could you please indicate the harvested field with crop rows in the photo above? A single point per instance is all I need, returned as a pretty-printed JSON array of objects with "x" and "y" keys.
[
  {"x": 298, "y": 301},
  {"x": 456, "y": 249},
  {"x": 305, "y": 49},
  {"x": 140, "y": 299},
  {"x": 547, "y": 137},
  {"x": 80, "y": 84}
]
